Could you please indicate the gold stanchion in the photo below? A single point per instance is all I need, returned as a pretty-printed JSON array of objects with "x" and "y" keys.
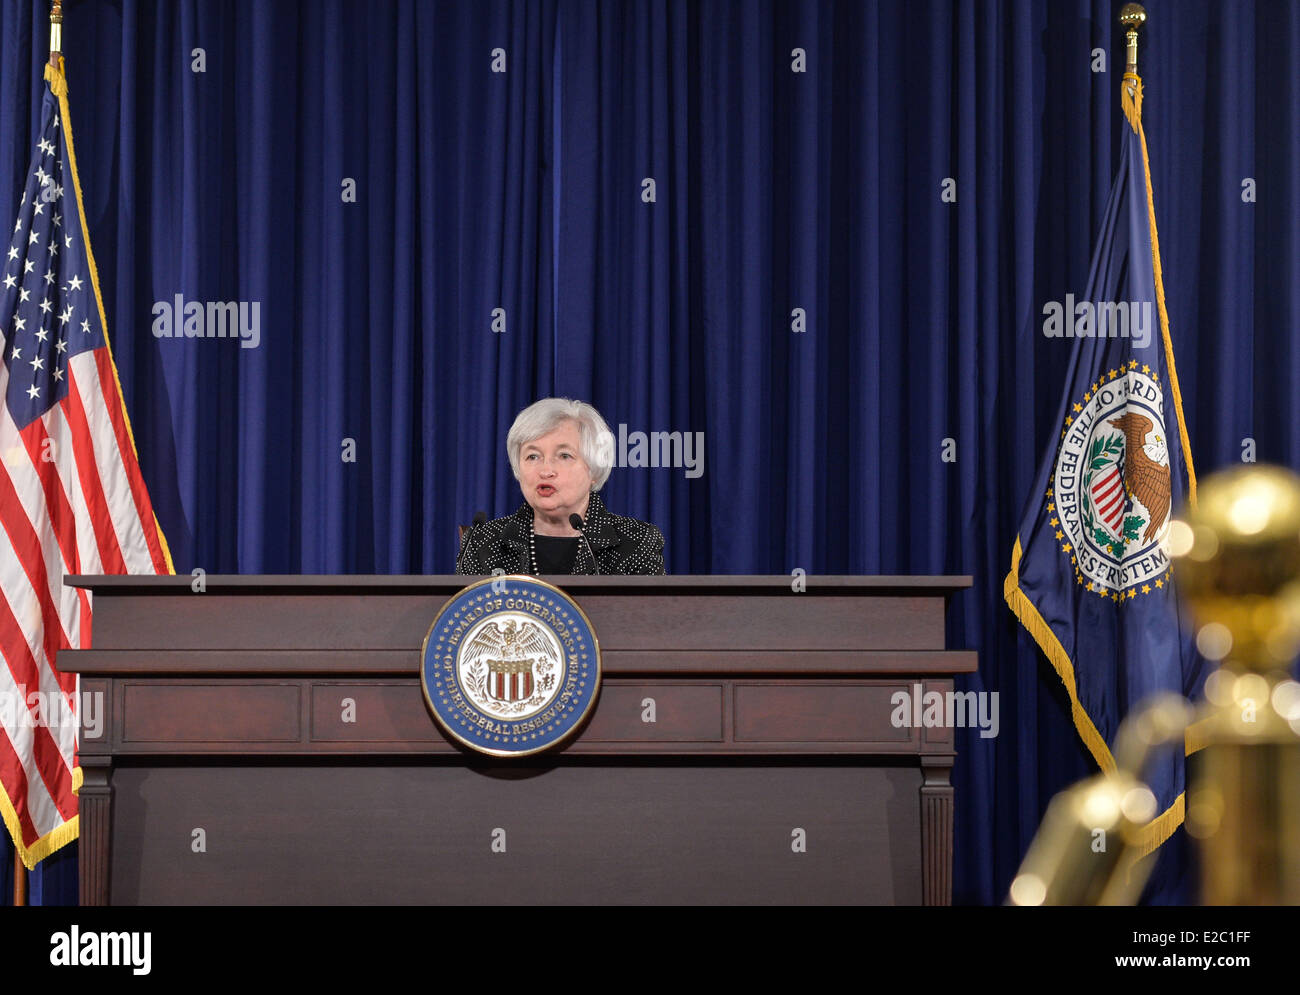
[
  {"x": 1089, "y": 849},
  {"x": 1238, "y": 568}
]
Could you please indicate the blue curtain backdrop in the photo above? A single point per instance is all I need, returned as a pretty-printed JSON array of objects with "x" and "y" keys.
[{"x": 772, "y": 190}]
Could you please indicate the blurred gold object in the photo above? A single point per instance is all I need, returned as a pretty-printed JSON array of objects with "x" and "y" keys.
[
  {"x": 1088, "y": 850},
  {"x": 1238, "y": 568}
]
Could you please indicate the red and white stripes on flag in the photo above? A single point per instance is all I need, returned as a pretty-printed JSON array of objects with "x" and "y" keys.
[{"x": 72, "y": 498}]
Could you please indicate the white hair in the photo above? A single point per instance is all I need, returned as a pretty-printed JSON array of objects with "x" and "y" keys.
[{"x": 541, "y": 417}]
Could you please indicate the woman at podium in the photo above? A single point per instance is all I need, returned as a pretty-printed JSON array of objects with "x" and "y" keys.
[{"x": 561, "y": 452}]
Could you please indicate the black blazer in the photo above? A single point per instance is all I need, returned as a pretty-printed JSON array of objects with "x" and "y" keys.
[{"x": 622, "y": 545}]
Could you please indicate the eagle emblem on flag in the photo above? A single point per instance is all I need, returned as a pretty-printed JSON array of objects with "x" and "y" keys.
[{"x": 1111, "y": 495}]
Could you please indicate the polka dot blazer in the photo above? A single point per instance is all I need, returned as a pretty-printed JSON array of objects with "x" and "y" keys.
[{"x": 622, "y": 545}]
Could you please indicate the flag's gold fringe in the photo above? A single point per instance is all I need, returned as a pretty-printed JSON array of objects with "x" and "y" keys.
[
  {"x": 1159, "y": 829},
  {"x": 1162, "y": 826},
  {"x": 54, "y": 840},
  {"x": 1197, "y": 736},
  {"x": 1194, "y": 737},
  {"x": 1131, "y": 99},
  {"x": 1136, "y": 122},
  {"x": 58, "y": 82},
  {"x": 51, "y": 841},
  {"x": 1051, "y": 646},
  {"x": 59, "y": 86}
]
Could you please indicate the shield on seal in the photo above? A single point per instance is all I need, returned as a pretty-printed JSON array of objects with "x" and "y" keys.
[
  {"x": 1108, "y": 497},
  {"x": 510, "y": 680}
]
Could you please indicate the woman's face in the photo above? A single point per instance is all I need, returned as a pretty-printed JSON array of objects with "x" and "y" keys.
[{"x": 553, "y": 475}]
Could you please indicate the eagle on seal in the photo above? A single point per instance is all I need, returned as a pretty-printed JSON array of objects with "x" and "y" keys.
[
  {"x": 1144, "y": 478},
  {"x": 513, "y": 642}
]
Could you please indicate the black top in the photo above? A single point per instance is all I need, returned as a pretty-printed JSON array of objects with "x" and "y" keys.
[
  {"x": 619, "y": 545},
  {"x": 556, "y": 554}
]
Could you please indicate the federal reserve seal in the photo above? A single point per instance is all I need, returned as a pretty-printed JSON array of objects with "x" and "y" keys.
[
  {"x": 510, "y": 666},
  {"x": 1110, "y": 499}
]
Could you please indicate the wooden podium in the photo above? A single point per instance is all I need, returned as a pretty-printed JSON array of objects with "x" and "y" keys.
[{"x": 265, "y": 741}]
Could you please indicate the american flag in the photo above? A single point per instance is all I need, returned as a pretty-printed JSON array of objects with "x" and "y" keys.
[{"x": 72, "y": 499}]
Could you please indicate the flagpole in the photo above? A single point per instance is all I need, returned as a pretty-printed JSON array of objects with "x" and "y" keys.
[{"x": 20, "y": 880}]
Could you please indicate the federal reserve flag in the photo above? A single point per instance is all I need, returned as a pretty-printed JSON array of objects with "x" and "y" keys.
[
  {"x": 72, "y": 498},
  {"x": 1090, "y": 574}
]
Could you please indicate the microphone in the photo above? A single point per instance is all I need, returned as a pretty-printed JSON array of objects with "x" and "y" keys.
[
  {"x": 576, "y": 521},
  {"x": 480, "y": 518}
]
